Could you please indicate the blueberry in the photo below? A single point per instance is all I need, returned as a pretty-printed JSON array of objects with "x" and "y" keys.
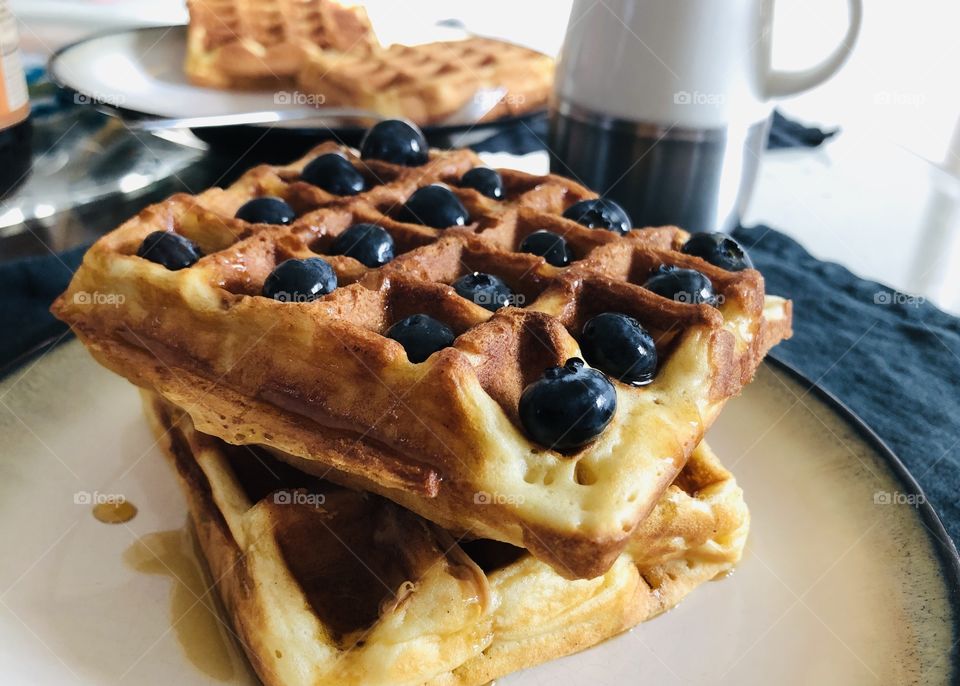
[
  {"x": 395, "y": 141},
  {"x": 568, "y": 407},
  {"x": 619, "y": 346},
  {"x": 421, "y": 335},
  {"x": 486, "y": 290},
  {"x": 334, "y": 174},
  {"x": 300, "y": 280},
  {"x": 719, "y": 249},
  {"x": 266, "y": 210},
  {"x": 171, "y": 250},
  {"x": 485, "y": 180},
  {"x": 683, "y": 285},
  {"x": 550, "y": 246},
  {"x": 368, "y": 244},
  {"x": 600, "y": 213},
  {"x": 435, "y": 206}
]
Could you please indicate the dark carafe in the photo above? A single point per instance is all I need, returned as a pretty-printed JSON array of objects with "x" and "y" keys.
[{"x": 15, "y": 129}]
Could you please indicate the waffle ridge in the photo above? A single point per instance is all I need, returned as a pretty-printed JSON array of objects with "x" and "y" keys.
[
  {"x": 319, "y": 382},
  {"x": 422, "y": 607},
  {"x": 429, "y": 82},
  {"x": 250, "y": 44}
]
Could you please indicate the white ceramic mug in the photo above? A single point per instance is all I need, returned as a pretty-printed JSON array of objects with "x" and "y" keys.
[{"x": 694, "y": 74}]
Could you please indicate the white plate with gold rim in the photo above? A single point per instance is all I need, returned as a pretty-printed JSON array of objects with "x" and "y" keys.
[{"x": 848, "y": 578}]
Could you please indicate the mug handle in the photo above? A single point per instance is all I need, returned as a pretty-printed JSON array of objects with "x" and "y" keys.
[{"x": 783, "y": 83}]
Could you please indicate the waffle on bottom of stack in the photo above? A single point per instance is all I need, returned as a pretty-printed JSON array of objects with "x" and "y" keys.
[{"x": 325, "y": 585}]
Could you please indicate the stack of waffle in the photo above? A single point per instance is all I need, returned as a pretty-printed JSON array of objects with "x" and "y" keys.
[
  {"x": 373, "y": 520},
  {"x": 329, "y": 52}
]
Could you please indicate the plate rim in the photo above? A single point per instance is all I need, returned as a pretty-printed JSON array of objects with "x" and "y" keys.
[
  {"x": 945, "y": 549},
  {"x": 429, "y": 130}
]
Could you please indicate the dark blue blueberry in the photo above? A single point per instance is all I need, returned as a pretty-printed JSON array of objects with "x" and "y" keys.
[
  {"x": 300, "y": 281},
  {"x": 682, "y": 285},
  {"x": 171, "y": 250},
  {"x": 620, "y": 347},
  {"x": 600, "y": 213},
  {"x": 395, "y": 141},
  {"x": 550, "y": 246},
  {"x": 435, "y": 206},
  {"x": 719, "y": 249},
  {"x": 485, "y": 180},
  {"x": 568, "y": 407},
  {"x": 334, "y": 174},
  {"x": 368, "y": 244},
  {"x": 266, "y": 210},
  {"x": 486, "y": 290},
  {"x": 421, "y": 335}
]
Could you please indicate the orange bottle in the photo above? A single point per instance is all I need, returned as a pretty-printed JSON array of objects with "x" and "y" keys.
[{"x": 15, "y": 129}]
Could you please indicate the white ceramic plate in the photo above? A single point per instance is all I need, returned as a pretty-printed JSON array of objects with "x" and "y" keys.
[
  {"x": 838, "y": 585},
  {"x": 141, "y": 71}
]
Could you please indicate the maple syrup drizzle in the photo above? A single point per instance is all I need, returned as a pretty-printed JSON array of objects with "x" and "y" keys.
[
  {"x": 115, "y": 512},
  {"x": 196, "y": 623}
]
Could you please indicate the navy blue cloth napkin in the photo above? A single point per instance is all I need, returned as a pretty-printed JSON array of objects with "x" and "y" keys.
[
  {"x": 786, "y": 133},
  {"x": 28, "y": 287},
  {"x": 531, "y": 135}
]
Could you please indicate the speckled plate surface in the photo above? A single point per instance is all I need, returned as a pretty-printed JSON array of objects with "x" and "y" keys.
[{"x": 848, "y": 576}]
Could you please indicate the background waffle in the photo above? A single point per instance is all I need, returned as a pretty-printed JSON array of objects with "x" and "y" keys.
[
  {"x": 263, "y": 43},
  {"x": 427, "y": 83},
  {"x": 325, "y": 585},
  {"x": 320, "y": 382}
]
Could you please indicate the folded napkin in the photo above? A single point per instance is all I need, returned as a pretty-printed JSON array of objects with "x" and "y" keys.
[
  {"x": 786, "y": 133},
  {"x": 29, "y": 287},
  {"x": 530, "y": 135}
]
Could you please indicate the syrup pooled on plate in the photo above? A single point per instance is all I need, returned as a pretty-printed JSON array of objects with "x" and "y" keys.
[
  {"x": 115, "y": 512},
  {"x": 193, "y": 605}
]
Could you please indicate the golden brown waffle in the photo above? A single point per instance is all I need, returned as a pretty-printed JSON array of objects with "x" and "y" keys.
[
  {"x": 324, "y": 585},
  {"x": 427, "y": 83},
  {"x": 319, "y": 381},
  {"x": 263, "y": 43}
]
